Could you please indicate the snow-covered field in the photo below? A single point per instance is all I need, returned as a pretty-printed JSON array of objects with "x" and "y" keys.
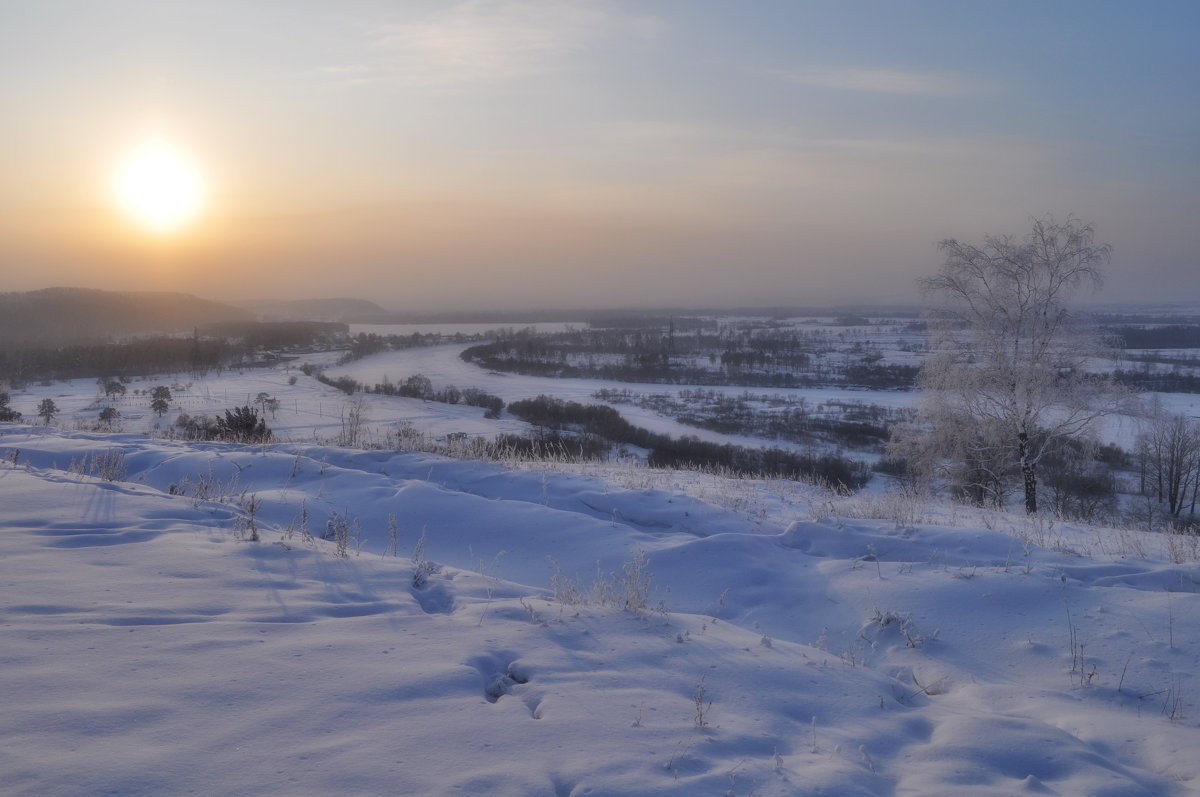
[
  {"x": 308, "y": 410},
  {"x": 777, "y": 640}
]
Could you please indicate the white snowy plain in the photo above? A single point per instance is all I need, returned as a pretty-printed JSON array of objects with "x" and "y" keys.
[{"x": 794, "y": 642}]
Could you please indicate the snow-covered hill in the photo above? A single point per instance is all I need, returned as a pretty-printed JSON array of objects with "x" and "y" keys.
[{"x": 619, "y": 632}]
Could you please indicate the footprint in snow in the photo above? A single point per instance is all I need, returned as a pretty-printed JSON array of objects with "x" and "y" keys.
[{"x": 501, "y": 674}]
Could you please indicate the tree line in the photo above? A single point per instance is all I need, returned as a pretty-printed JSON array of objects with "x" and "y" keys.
[
  {"x": 222, "y": 346},
  {"x": 416, "y": 386},
  {"x": 599, "y": 423},
  {"x": 752, "y": 356}
]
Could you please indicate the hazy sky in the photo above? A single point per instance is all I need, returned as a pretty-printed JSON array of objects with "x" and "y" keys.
[{"x": 487, "y": 153}]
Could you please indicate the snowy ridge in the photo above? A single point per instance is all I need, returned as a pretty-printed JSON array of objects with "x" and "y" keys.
[{"x": 790, "y": 643}]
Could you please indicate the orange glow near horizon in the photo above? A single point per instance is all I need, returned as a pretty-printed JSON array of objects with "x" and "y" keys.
[{"x": 159, "y": 187}]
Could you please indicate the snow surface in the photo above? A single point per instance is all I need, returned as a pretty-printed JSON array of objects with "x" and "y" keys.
[{"x": 795, "y": 642}]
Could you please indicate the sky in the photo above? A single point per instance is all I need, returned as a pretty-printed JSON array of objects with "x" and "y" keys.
[{"x": 517, "y": 154}]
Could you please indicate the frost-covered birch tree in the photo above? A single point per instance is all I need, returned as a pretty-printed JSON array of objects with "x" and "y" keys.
[{"x": 1006, "y": 383}]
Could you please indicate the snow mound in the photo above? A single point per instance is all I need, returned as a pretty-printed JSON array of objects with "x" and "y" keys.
[{"x": 312, "y": 620}]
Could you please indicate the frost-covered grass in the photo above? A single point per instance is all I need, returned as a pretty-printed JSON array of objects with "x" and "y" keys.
[{"x": 175, "y": 622}]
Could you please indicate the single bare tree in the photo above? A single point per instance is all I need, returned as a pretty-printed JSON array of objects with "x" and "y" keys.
[{"x": 1006, "y": 383}]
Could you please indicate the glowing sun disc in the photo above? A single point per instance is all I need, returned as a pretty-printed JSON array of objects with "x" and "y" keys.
[{"x": 159, "y": 187}]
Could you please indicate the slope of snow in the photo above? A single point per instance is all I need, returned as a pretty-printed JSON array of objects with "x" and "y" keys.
[{"x": 792, "y": 642}]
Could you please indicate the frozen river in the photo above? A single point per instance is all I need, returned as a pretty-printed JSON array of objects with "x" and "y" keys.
[{"x": 444, "y": 366}]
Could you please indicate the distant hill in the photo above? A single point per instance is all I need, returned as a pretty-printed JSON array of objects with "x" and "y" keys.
[
  {"x": 338, "y": 309},
  {"x": 60, "y": 316}
]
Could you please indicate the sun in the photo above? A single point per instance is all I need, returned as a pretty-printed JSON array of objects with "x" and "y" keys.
[{"x": 159, "y": 187}]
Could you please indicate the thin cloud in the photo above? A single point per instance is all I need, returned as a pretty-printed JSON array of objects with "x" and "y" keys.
[
  {"x": 488, "y": 41},
  {"x": 883, "y": 81}
]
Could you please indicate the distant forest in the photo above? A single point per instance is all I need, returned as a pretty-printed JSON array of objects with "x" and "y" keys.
[
  {"x": 222, "y": 346},
  {"x": 1170, "y": 336},
  {"x": 698, "y": 352}
]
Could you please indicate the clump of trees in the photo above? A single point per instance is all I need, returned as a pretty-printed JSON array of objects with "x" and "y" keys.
[
  {"x": 598, "y": 420},
  {"x": 7, "y": 413},
  {"x": 238, "y": 425},
  {"x": 849, "y": 424},
  {"x": 1080, "y": 480},
  {"x": 242, "y": 425},
  {"x": 1007, "y": 386},
  {"x": 1168, "y": 461},
  {"x": 416, "y": 386},
  {"x": 267, "y": 403}
]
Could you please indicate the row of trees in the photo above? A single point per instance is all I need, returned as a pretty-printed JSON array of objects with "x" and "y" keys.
[
  {"x": 160, "y": 404},
  {"x": 220, "y": 346},
  {"x": 599, "y": 426},
  {"x": 844, "y": 424},
  {"x": 160, "y": 395},
  {"x": 736, "y": 353},
  {"x": 20, "y": 365},
  {"x": 416, "y": 386}
]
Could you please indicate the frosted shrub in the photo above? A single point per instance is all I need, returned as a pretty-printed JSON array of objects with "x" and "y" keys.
[
  {"x": 567, "y": 592},
  {"x": 107, "y": 465},
  {"x": 206, "y": 487},
  {"x": 423, "y": 568},
  {"x": 905, "y": 509},
  {"x": 246, "y": 524},
  {"x": 700, "y": 705},
  {"x": 630, "y": 589},
  {"x": 1182, "y": 545},
  {"x": 883, "y": 621},
  {"x": 636, "y": 583},
  {"x": 344, "y": 533},
  {"x": 354, "y": 419}
]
